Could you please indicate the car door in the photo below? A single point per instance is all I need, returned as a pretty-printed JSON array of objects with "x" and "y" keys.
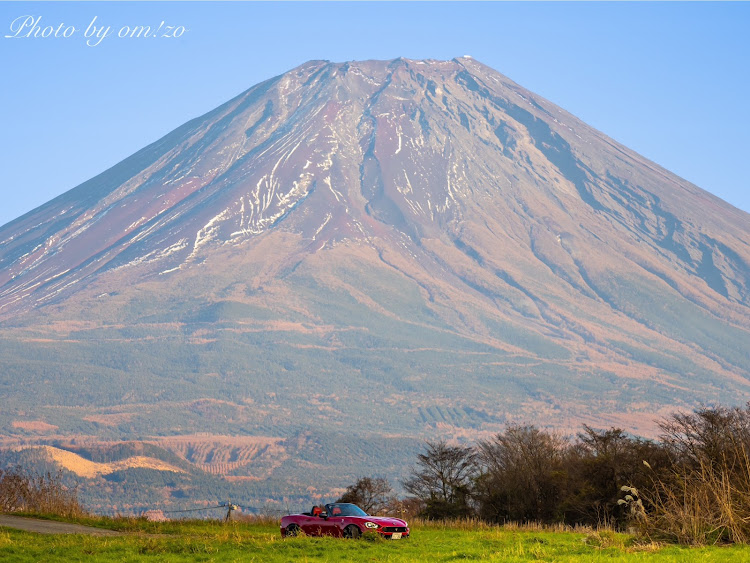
[
  {"x": 332, "y": 526},
  {"x": 312, "y": 525},
  {"x": 335, "y": 521}
]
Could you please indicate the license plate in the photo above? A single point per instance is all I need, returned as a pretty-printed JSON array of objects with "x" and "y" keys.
[{"x": 396, "y": 536}]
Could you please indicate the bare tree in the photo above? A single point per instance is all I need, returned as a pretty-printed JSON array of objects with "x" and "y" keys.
[
  {"x": 522, "y": 475},
  {"x": 708, "y": 435},
  {"x": 371, "y": 495},
  {"x": 443, "y": 479}
]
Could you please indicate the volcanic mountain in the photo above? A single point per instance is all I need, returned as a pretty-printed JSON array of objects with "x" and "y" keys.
[{"x": 379, "y": 250}]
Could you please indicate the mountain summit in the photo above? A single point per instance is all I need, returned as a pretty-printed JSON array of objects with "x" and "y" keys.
[{"x": 423, "y": 242}]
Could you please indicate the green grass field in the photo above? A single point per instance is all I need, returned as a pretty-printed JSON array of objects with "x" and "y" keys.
[{"x": 214, "y": 541}]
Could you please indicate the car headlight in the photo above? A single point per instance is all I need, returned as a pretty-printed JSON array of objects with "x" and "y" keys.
[{"x": 371, "y": 525}]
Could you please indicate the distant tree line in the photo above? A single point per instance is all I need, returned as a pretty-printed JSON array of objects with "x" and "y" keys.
[{"x": 691, "y": 485}]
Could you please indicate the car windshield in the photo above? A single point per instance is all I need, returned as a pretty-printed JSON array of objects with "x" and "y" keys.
[{"x": 344, "y": 509}]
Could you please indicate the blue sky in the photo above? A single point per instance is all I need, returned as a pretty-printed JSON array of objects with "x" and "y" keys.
[{"x": 669, "y": 80}]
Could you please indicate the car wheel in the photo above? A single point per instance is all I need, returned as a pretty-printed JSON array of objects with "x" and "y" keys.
[
  {"x": 352, "y": 532},
  {"x": 292, "y": 530}
]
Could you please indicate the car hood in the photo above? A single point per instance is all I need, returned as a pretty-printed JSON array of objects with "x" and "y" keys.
[{"x": 383, "y": 520}]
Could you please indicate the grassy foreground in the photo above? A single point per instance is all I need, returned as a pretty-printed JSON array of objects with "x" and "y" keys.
[{"x": 214, "y": 541}]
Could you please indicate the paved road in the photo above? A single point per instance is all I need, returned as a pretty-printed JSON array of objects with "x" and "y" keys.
[{"x": 51, "y": 527}]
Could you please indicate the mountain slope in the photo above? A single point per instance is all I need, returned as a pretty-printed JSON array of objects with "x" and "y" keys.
[{"x": 404, "y": 248}]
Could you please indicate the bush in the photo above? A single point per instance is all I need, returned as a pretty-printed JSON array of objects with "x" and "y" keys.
[{"x": 599, "y": 465}]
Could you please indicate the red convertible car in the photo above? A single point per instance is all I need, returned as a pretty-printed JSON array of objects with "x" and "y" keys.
[{"x": 343, "y": 520}]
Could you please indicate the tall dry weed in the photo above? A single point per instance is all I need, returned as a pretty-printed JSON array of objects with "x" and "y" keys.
[
  {"x": 705, "y": 498},
  {"x": 38, "y": 493}
]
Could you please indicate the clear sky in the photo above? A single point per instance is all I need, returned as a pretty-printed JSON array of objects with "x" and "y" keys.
[{"x": 669, "y": 80}]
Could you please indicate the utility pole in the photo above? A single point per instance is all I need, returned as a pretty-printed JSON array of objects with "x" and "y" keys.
[{"x": 230, "y": 508}]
